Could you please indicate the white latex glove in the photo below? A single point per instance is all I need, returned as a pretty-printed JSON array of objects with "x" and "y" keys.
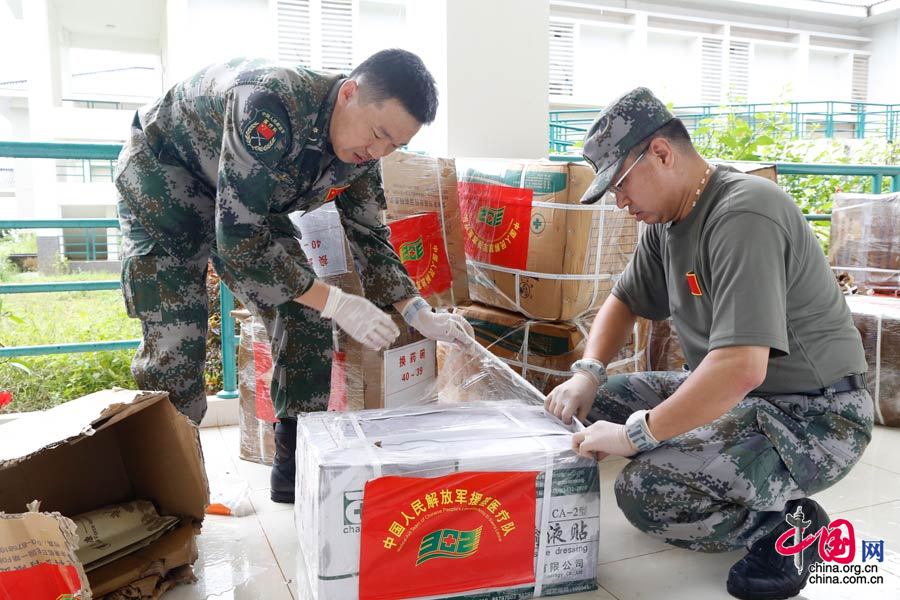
[
  {"x": 572, "y": 398},
  {"x": 362, "y": 320},
  {"x": 443, "y": 326},
  {"x": 603, "y": 438}
]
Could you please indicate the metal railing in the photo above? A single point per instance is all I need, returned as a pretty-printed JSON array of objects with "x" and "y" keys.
[
  {"x": 64, "y": 150},
  {"x": 826, "y": 118},
  {"x": 56, "y": 150}
]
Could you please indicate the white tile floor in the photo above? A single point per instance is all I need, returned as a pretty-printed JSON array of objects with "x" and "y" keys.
[{"x": 253, "y": 557}]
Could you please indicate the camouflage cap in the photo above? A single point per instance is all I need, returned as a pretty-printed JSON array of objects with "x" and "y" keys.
[{"x": 619, "y": 128}]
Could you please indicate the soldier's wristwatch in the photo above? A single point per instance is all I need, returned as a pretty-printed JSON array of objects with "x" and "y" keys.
[
  {"x": 594, "y": 368},
  {"x": 638, "y": 431}
]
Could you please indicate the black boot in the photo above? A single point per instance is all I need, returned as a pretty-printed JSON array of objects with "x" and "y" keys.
[
  {"x": 764, "y": 574},
  {"x": 284, "y": 467}
]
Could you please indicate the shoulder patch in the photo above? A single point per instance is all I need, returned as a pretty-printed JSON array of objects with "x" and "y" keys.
[{"x": 261, "y": 132}]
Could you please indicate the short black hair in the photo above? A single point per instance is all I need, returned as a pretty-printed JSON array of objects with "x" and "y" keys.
[
  {"x": 674, "y": 131},
  {"x": 401, "y": 75}
]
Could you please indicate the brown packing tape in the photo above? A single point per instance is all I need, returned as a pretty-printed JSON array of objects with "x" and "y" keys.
[{"x": 414, "y": 184}]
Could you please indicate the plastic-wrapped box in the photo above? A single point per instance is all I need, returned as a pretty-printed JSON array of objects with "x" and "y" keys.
[
  {"x": 426, "y": 230},
  {"x": 878, "y": 320},
  {"x": 531, "y": 247},
  {"x": 444, "y": 501},
  {"x": 543, "y": 351},
  {"x": 255, "y": 410},
  {"x": 664, "y": 351},
  {"x": 865, "y": 240}
]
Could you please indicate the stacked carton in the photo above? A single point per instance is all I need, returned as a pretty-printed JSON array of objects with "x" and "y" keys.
[{"x": 865, "y": 240}]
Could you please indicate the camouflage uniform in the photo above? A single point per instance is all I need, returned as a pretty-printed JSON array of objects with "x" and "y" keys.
[
  {"x": 211, "y": 171},
  {"x": 739, "y": 269},
  {"x": 722, "y": 486}
]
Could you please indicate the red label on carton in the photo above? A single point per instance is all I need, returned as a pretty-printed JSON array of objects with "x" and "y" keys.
[
  {"x": 419, "y": 243},
  {"x": 43, "y": 580},
  {"x": 428, "y": 536},
  {"x": 496, "y": 222},
  {"x": 262, "y": 363}
]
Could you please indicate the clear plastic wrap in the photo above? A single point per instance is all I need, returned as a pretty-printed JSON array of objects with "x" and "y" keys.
[
  {"x": 476, "y": 471},
  {"x": 531, "y": 247},
  {"x": 255, "y": 410},
  {"x": 543, "y": 351},
  {"x": 878, "y": 320},
  {"x": 426, "y": 230},
  {"x": 664, "y": 352},
  {"x": 865, "y": 241}
]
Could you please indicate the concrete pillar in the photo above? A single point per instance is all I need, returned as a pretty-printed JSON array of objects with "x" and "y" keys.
[{"x": 491, "y": 63}]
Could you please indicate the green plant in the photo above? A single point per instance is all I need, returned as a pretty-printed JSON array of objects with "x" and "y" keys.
[{"x": 771, "y": 138}]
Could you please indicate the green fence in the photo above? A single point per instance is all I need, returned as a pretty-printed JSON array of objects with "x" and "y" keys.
[
  {"x": 59, "y": 150},
  {"x": 827, "y": 118},
  {"x": 62, "y": 150}
]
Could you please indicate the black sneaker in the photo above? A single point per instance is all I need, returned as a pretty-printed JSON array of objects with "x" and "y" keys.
[
  {"x": 764, "y": 574},
  {"x": 284, "y": 467}
]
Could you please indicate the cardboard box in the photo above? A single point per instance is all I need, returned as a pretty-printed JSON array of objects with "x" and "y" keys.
[
  {"x": 865, "y": 240},
  {"x": 543, "y": 351},
  {"x": 106, "y": 448},
  {"x": 878, "y": 320},
  {"x": 531, "y": 247},
  {"x": 37, "y": 557},
  {"x": 425, "y": 188},
  {"x": 341, "y": 456}
]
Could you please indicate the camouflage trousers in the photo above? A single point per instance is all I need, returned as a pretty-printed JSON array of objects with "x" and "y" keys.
[
  {"x": 722, "y": 486},
  {"x": 169, "y": 296}
]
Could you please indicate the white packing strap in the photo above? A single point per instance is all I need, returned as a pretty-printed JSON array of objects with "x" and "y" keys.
[
  {"x": 873, "y": 270},
  {"x": 547, "y": 371},
  {"x": 545, "y": 507},
  {"x": 599, "y": 250},
  {"x": 539, "y": 275},
  {"x": 261, "y": 436},
  {"x": 877, "y": 398},
  {"x": 523, "y": 351},
  {"x": 376, "y": 462},
  {"x": 442, "y": 219}
]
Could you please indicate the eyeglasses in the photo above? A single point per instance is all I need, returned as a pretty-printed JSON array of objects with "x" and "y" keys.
[{"x": 616, "y": 188}]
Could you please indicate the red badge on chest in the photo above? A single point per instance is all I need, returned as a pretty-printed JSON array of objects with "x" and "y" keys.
[
  {"x": 334, "y": 193},
  {"x": 694, "y": 283}
]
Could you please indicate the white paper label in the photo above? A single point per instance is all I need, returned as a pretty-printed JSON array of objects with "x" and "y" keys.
[
  {"x": 408, "y": 372},
  {"x": 323, "y": 241}
]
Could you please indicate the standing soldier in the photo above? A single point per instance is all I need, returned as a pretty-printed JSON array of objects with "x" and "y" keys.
[
  {"x": 774, "y": 408},
  {"x": 213, "y": 169}
]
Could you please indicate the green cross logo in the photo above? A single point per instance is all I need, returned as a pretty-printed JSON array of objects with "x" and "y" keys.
[
  {"x": 412, "y": 250},
  {"x": 448, "y": 543},
  {"x": 492, "y": 217}
]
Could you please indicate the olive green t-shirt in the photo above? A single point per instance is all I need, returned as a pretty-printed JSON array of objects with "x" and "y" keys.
[{"x": 745, "y": 269}]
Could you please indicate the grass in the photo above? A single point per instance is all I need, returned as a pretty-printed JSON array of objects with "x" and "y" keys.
[{"x": 39, "y": 382}]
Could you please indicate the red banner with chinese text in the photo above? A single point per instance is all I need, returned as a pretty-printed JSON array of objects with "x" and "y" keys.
[
  {"x": 442, "y": 535},
  {"x": 496, "y": 223},
  {"x": 420, "y": 245}
]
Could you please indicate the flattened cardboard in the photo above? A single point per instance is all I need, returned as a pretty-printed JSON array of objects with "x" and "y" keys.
[{"x": 106, "y": 448}]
